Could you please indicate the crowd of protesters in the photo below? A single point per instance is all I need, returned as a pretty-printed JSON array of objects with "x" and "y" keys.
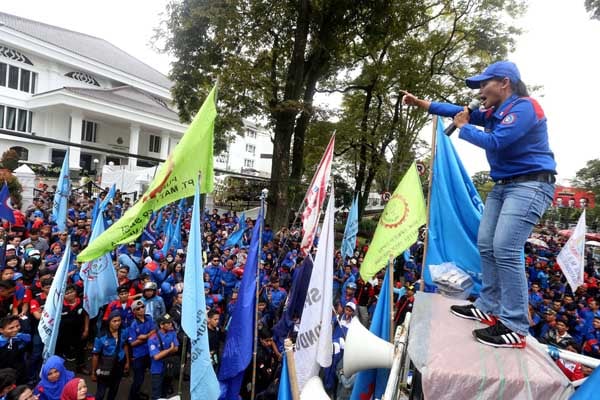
[{"x": 139, "y": 333}]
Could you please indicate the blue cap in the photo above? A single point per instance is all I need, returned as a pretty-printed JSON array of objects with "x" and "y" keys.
[
  {"x": 206, "y": 285},
  {"x": 500, "y": 69},
  {"x": 38, "y": 214}
]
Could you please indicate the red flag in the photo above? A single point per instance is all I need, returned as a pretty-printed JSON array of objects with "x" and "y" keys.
[{"x": 315, "y": 196}]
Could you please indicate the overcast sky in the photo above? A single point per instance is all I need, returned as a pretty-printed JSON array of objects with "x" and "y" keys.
[{"x": 559, "y": 50}]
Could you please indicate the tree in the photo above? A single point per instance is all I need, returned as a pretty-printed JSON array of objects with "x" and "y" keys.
[
  {"x": 426, "y": 47},
  {"x": 593, "y": 7},
  {"x": 10, "y": 160},
  {"x": 589, "y": 178},
  {"x": 14, "y": 187},
  {"x": 272, "y": 56}
]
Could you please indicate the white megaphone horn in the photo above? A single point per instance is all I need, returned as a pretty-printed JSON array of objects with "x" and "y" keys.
[
  {"x": 364, "y": 350},
  {"x": 314, "y": 390}
]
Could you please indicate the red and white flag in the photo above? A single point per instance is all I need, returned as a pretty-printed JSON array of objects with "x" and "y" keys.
[{"x": 315, "y": 196}]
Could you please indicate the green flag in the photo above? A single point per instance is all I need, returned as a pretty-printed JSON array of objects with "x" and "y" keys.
[
  {"x": 398, "y": 227},
  {"x": 175, "y": 179}
]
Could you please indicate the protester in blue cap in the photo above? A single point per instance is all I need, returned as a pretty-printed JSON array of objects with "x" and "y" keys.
[{"x": 515, "y": 139}]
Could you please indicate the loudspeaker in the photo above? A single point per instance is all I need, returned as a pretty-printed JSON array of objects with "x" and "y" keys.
[
  {"x": 314, "y": 390},
  {"x": 364, "y": 350}
]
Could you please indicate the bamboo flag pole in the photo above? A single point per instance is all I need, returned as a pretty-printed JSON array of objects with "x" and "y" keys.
[
  {"x": 391, "y": 288},
  {"x": 263, "y": 197},
  {"x": 431, "y": 177},
  {"x": 291, "y": 365}
]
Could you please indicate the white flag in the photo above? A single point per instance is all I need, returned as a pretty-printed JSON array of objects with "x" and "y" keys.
[
  {"x": 571, "y": 257},
  {"x": 314, "y": 343}
]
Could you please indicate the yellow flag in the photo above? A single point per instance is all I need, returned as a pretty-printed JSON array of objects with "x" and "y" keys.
[
  {"x": 398, "y": 227},
  {"x": 175, "y": 179}
]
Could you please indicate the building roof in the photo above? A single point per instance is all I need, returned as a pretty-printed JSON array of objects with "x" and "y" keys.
[
  {"x": 87, "y": 46},
  {"x": 126, "y": 96}
]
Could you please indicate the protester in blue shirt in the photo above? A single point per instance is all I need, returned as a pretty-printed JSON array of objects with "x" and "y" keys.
[
  {"x": 110, "y": 347},
  {"x": 139, "y": 332},
  {"x": 515, "y": 139},
  {"x": 13, "y": 345},
  {"x": 163, "y": 346}
]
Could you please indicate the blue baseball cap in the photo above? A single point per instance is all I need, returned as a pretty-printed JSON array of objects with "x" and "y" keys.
[{"x": 500, "y": 69}]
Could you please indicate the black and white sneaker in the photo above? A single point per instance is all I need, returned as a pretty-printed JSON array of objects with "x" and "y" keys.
[
  {"x": 499, "y": 335},
  {"x": 469, "y": 311}
]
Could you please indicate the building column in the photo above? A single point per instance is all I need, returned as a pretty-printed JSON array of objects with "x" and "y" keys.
[
  {"x": 134, "y": 140},
  {"x": 165, "y": 142},
  {"x": 75, "y": 137}
]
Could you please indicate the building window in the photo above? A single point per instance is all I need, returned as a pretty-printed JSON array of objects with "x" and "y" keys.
[
  {"x": 3, "y": 70},
  {"x": 88, "y": 131},
  {"x": 11, "y": 118},
  {"x": 248, "y": 163},
  {"x": 154, "y": 144},
  {"x": 25, "y": 80},
  {"x": 22, "y": 152},
  {"x": 15, "y": 119},
  {"x": 251, "y": 134},
  {"x": 17, "y": 78},
  {"x": 222, "y": 158},
  {"x": 57, "y": 157},
  {"x": 13, "y": 77},
  {"x": 250, "y": 148},
  {"x": 22, "y": 121},
  {"x": 114, "y": 160}
]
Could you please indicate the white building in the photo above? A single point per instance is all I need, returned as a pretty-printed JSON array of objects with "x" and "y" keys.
[
  {"x": 250, "y": 153},
  {"x": 78, "y": 88}
]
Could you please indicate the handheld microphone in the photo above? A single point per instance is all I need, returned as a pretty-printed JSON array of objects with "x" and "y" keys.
[{"x": 473, "y": 105}]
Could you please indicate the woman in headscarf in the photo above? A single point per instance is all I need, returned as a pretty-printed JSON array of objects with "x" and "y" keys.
[
  {"x": 53, "y": 378},
  {"x": 75, "y": 389}
]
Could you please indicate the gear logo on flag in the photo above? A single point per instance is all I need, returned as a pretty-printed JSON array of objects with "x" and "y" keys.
[{"x": 395, "y": 212}]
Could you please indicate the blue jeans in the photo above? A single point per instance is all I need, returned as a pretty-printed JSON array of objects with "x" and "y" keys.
[
  {"x": 510, "y": 213},
  {"x": 139, "y": 366}
]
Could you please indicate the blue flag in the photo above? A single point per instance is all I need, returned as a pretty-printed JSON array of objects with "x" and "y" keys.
[
  {"x": 203, "y": 380},
  {"x": 285, "y": 386},
  {"x": 371, "y": 383},
  {"x": 455, "y": 212},
  {"x": 158, "y": 224},
  {"x": 295, "y": 301},
  {"x": 6, "y": 212},
  {"x": 237, "y": 352},
  {"x": 50, "y": 320},
  {"x": 237, "y": 236},
  {"x": 61, "y": 197},
  {"x": 175, "y": 242},
  {"x": 168, "y": 235},
  {"x": 95, "y": 211},
  {"x": 349, "y": 242},
  {"x": 99, "y": 277}
]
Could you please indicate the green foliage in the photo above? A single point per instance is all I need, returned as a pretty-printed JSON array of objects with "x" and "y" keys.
[
  {"x": 272, "y": 56},
  {"x": 589, "y": 178},
  {"x": 14, "y": 187},
  {"x": 9, "y": 160},
  {"x": 593, "y": 7},
  {"x": 367, "y": 227}
]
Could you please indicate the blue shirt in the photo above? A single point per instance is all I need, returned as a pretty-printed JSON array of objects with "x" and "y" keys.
[
  {"x": 106, "y": 345},
  {"x": 515, "y": 138},
  {"x": 154, "y": 347},
  {"x": 140, "y": 328}
]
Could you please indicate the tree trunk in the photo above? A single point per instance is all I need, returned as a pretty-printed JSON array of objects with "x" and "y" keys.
[
  {"x": 362, "y": 155},
  {"x": 284, "y": 115}
]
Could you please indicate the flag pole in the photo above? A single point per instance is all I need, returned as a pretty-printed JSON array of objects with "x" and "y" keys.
[
  {"x": 391, "y": 287},
  {"x": 431, "y": 177},
  {"x": 291, "y": 365},
  {"x": 263, "y": 197}
]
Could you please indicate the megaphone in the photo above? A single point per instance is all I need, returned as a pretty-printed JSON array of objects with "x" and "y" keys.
[
  {"x": 364, "y": 350},
  {"x": 314, "y": 390}
]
